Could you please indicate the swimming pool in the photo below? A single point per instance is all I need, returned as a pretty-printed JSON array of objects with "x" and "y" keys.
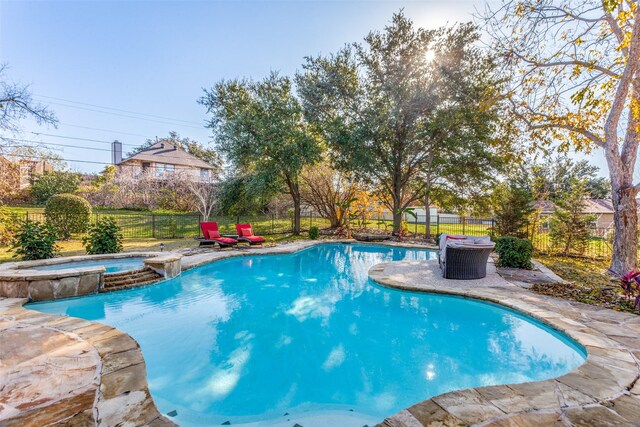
[
  {"x": 308, "y": 338},
  {"x": 116, "y": 265}
]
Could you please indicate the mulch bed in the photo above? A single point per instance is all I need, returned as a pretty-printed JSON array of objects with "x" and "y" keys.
[{"x": 607, "y": 297}]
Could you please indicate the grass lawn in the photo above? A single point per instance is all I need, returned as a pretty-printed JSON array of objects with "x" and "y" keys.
[
  {"x": 74, "y": 246},
  {"x": 590, "y": 282},
  {"x": 419, "y": 228},
  {"x": 163, "y": 225}
]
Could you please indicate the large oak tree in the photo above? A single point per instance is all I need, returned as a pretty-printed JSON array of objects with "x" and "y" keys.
[{"x": 381, "y": 104}]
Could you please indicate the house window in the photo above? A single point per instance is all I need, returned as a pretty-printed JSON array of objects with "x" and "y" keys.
[
  {"x": 163, "y": 170},
  {"x": 204, "y": 174}
]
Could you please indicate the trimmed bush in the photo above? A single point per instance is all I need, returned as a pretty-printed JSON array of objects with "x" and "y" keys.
[
  {"x": 35, "y": 240},
  {"x": 514, "y": 252},
  {"x": 68, "y": 213},
  {"x": 104, "y": 237},
  {"x": 314, "y": 232}
]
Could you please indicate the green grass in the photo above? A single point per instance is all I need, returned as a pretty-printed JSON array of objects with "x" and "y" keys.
[
  {"x": 412, "y": 227},
  {"x": 74, "y": 246},
  {"x": 597, "y": 247},
  {"x": 146, "y": 225}
]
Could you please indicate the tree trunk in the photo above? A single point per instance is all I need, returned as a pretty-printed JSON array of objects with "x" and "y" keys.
[
  {"x": 427, "y": 214},
  {"x": 625, "y": 219},
  {"x": 296, "y": 212},
  {"x": 397, "y": 216}
]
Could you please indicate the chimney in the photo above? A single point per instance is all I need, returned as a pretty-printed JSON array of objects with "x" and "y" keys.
[{"x": 116, "y": 152}]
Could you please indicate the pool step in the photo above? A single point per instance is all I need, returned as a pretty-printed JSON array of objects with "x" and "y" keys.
[{"x": 130, "y": 279}]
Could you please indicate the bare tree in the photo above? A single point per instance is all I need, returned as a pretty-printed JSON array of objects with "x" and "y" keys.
[
  {"x": 204, "y": 191},
  {"x": 17, "y": 104},
  {"x": 325, "y": 189},
  {"x": 575, "y": 70}
]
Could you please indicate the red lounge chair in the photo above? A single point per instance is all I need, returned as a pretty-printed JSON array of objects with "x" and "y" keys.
[
  {"x": 245, "y": 234},
  {"x": 212, "y": 236}
]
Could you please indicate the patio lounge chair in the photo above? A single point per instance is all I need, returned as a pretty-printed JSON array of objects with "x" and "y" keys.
[
  {"x": 212, "y": 236},
  {"x": 245, "y": 234},
  {"x": 464, "y": 257}
]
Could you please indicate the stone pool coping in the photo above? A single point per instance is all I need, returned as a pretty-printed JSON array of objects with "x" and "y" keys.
[
  {"x": 68, "y": 371},
  {"x": 14, "y": 267},
  {"x": 603, "y": 391}
]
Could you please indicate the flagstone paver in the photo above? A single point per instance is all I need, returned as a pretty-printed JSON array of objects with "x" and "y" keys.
[
  {"x": 99, "y": 376},
  {"x": 56, "y": 369},
  {"x": 603, "y": 391}
]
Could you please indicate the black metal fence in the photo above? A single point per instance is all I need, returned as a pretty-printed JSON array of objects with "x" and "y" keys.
[
  {"x": 145, "y": 225},
  {"x": 141, "y": 225},
  {"x": 599, "y": 244}
]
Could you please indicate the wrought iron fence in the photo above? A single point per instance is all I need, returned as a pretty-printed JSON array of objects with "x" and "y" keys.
[{"x": 140, "y": 225}]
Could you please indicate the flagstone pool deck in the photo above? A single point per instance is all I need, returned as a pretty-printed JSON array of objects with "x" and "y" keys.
[{"x": 58, "y": 370}]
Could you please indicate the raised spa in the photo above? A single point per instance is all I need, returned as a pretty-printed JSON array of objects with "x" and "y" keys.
[
  {"x": 117, "y": 265},
  {"x": 307, "y": 338}
]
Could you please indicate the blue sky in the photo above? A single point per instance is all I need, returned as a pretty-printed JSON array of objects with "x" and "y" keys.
[{"x": 155, "y": 57}]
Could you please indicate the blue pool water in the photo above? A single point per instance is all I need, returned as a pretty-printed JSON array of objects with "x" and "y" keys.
[
  {"x": 308, "y": 338},
  {"x": 111, "y": 265}
]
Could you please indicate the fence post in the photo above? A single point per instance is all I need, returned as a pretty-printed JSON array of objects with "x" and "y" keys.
[
  {"x": 415, "y": 225},
  {"x": 310, "y": 220},
  {"x": 272, "y": 224},
  {"x": 463, "y": 226},
  {"x": 437, "y": 224},
  {"x": 153, "y": 225}
]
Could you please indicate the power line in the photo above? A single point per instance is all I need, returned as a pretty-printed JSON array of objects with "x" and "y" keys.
[
  {"x": 25, "y": 156},
  {"x": 81, "y": 139},
  {"x": 60, "y": 145},
  {"x": 105, "y": 130},
  {"x": 79, "y": 161},
  {"x": 127, "y": 116},
  {"x": 118, "y": 109}
]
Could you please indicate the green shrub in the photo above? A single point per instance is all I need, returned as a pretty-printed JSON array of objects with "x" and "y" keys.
[
  {"x": 35, "y": 240},
  {"x": 514, "y": 252},
  {"x": 68, "y": 214},
  {"x": 8, "y": 223},
  {"x": 314, "y": 233},
  {"x": 43, "y": 186},
  {"x": 171, "y": 228},
  {"x": 104, "y": 237},
  {"x": 569, "y": 227}
]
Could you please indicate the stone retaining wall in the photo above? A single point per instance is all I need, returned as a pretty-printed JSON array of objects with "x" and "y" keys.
[
  {"x": 17, "y": 280},
  {"x": 44, "y": 285}
]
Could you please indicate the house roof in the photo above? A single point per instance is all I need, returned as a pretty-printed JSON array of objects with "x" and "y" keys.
[
  {"x": 591, "y": 206},
  {"x": 165, "y": 152}
]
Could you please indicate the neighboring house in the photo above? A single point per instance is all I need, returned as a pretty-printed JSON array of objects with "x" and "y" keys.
[
  {"x": 162, "y": 160},
  {"x": 601, "y": 208},
  {"x": 23, "y": 171}
]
